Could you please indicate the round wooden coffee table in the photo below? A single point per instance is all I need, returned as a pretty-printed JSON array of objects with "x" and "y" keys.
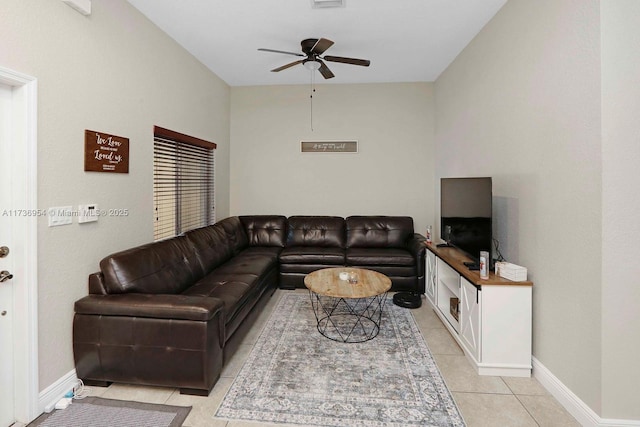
[{"x": 345, "y": 310}]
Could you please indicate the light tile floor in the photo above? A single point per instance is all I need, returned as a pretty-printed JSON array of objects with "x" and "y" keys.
[{"x": 483, "y": 400}]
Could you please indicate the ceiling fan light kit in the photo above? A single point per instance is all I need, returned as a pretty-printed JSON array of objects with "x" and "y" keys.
[
  {"x": 311, "y": 65},
  {"x": 317, "y": 4}
]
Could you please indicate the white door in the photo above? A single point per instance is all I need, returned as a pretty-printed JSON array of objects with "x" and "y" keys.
[{"x": 7, "y": 395}]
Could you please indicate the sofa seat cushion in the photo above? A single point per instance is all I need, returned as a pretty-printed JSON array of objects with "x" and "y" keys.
[
  {"x": 379, "y": 256},
  {"x": 311, "y": 254},
  {"x": 268, "y": 251},
  {"x": 235, "y": 295},
  {"x": 303, "y": 268},
  {"x": 391, "y": 271},
  {"x": 248, "y": 262},
  {"x": 236, "y": 282}
]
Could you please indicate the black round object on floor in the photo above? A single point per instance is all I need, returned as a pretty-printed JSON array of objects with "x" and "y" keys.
[{"x": 407, "y": 299}]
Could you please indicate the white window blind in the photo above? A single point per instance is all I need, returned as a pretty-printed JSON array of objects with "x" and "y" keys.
[{"x": 183, "y": 183}]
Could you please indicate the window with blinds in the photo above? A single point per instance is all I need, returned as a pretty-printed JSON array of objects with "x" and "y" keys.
[{"x": 183, "y": 183}]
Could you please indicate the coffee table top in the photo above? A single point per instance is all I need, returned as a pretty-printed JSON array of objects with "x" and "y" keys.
[{"x": 327, "y": 282}]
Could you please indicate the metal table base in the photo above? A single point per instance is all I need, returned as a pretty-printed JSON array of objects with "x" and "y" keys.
[{"x": 348, "y": 320}]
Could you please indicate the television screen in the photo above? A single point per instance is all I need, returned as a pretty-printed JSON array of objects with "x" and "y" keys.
[{"x": 465, "y": 214}]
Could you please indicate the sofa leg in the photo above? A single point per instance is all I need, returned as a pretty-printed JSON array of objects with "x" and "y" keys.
[{"x": 195, "y": 392}]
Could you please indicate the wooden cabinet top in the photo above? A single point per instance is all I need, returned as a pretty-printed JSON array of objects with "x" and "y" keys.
[{"x": 455, "y": 258}]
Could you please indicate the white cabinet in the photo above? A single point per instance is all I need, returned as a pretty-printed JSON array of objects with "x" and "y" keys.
[
  {"x": 506, "y": 330},
  {"x": 490, "y": 319},
  {"x": 430, "y": 279}
]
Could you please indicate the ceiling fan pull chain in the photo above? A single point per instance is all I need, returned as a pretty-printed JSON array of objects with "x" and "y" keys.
[{"x": 313, "y": 89}]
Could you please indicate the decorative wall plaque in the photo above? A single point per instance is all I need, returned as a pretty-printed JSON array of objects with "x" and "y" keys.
[
  {"x": 105, "y": 153},
  {"x": 329, "y": 146}
]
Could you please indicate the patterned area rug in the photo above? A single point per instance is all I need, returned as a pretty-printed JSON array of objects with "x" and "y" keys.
[
  {"x": 99, "y": 412},
  {"x": 295, "y": 375}
]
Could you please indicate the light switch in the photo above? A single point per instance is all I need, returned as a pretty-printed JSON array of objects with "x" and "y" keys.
[
  {"x": 61, "y": 215},
  {"x": 87, "y": 213}
]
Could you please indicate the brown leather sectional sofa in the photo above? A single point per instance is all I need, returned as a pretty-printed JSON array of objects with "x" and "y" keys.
[{"x": 172, "y": 312}]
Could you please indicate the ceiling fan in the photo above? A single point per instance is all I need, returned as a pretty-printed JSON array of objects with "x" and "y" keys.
[{"x": 312, "y": 49}]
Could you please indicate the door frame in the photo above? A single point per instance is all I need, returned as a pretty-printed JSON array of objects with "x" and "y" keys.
[{"x": 25, "y": 297}]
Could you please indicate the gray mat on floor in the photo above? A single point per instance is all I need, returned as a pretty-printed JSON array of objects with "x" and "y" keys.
[
  {"x": 294, "y": 375},
  {"x": 99, "y": 412}
]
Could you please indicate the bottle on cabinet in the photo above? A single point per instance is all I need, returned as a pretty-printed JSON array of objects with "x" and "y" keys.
[{"x": 484, "y": 264}]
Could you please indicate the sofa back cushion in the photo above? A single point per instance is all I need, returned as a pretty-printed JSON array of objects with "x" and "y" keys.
[
  {"x": 235, "y": 233},
  {"x": 265, "y": 230},
  {"x": 378, "y": 231},
  {"x": 164, "y": 267},
  {"x": 318, "y": 231},
  {"x": 212, "y": 246}
]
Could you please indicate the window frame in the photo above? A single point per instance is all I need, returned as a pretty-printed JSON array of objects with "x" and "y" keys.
[{"x": 166, "y": 137}]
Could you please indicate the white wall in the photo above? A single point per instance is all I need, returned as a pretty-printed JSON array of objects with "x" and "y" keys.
[
  {"x": 117, "y": 73},
  {"x": 390, "y": 175},
  {"x": 621, "y": 204},
  {"x": 521, "y": 103}
]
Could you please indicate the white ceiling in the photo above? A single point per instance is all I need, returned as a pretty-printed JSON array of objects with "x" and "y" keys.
[{"x": 406, "y": 40}]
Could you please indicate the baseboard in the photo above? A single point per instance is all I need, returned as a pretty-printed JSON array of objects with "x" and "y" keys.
[
  {"x": 56, "y": 391},
  {"x": 572, "y": 403}
]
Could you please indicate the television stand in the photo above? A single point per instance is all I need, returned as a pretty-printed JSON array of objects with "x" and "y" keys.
[{"x": 489, "y": 318}]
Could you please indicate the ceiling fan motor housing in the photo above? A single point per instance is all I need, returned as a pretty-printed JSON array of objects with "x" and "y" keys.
[{"x": 307, "y": 45}]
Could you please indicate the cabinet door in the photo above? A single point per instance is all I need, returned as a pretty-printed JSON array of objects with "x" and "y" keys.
[
  {"x": 470, "y": 301},
  {"x": 431, "y": 287},
  {"x": 448, "y": 293}
]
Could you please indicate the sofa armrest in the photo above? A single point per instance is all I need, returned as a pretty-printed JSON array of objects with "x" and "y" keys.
[
  {"x": 150, "y": 339},
  {"x": 151, "y": 306},
  {"x": 96, "y": 284},
  {"x": 417, "y": 245}
]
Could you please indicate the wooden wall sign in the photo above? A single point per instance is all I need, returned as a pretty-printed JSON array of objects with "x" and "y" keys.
[
  {"x": 105, "y": 153},
  {"x": 329, "y": 146}
]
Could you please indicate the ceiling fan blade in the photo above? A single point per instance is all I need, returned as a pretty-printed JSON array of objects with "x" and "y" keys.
[
  {"x": 325, "y": 71},
  {"x": 281, "y": 51},
  {"x": 321, "y": 45},
  {"x": 284, "y": 67},
  {"x": 352, "y": 61}
]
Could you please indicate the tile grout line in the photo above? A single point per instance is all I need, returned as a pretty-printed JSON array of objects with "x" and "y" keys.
[{"x": 526, "y": 409}]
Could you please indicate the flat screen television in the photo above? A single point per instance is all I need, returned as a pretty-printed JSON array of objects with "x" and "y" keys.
[{"x": 465, "y": 214}]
